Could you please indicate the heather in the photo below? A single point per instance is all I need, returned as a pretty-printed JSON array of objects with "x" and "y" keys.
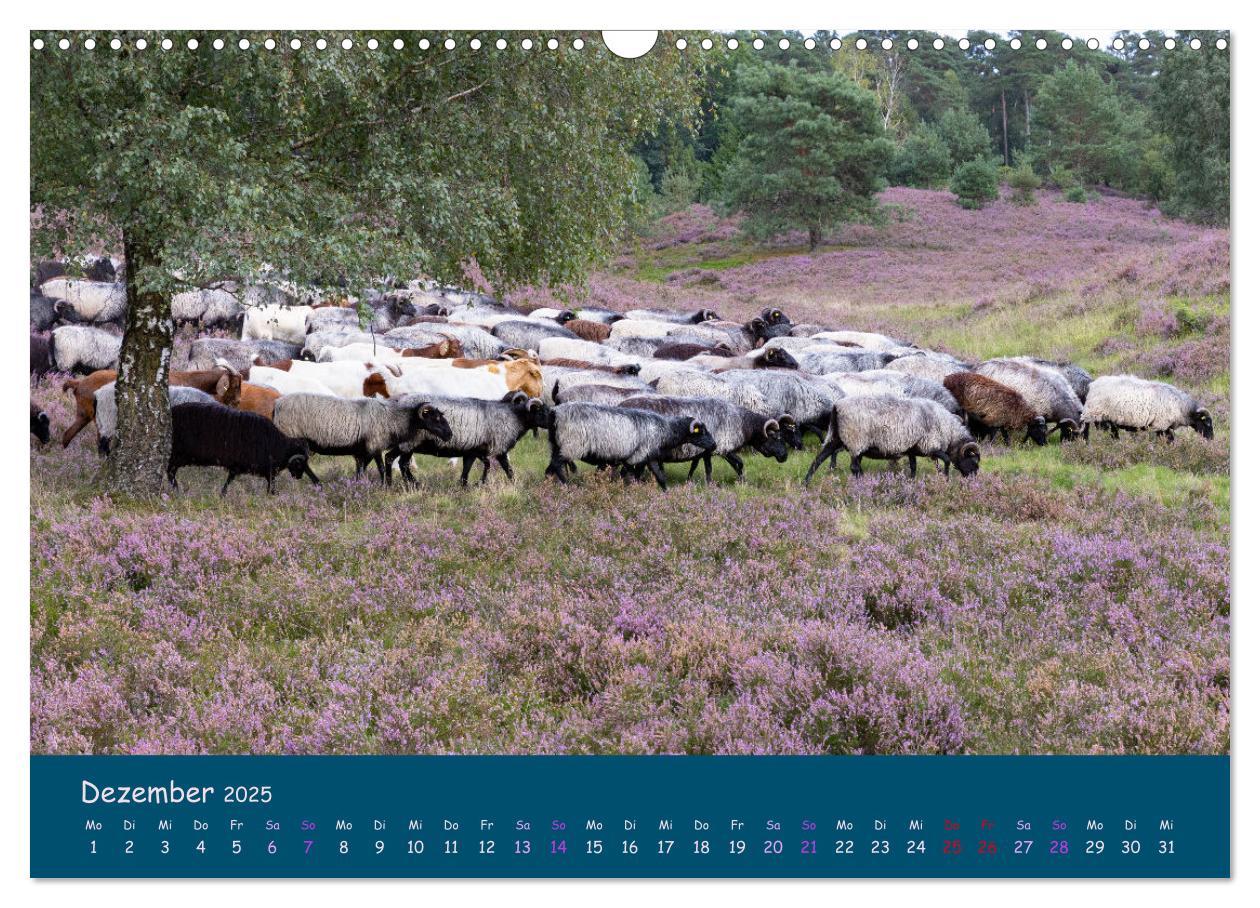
[{"x": 1067, "y": 599}]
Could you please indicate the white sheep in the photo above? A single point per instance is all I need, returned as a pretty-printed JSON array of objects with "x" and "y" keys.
[
  {"x": 86, "y": 301},
  {"x": 81, "y": 348},
  {"x": 1138, "y": 405}
]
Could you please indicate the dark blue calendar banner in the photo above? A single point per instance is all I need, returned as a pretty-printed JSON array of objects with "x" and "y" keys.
[{"x": 630, "y": 816}]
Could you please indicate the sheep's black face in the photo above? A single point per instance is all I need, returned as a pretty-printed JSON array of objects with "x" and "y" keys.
[
  {"x": 791, "y": 433},
  {"x": 536, "y": 414},
  {"x": 39, "y": 427},
  {"x": 1037, "y": 431},
  {"x": 1068, "y": 430},
  {"x": 966, "y": 458},
  {"x": 1201, "y": 422},
  {"x": 296, "y": 465},
  {"x": 775, "y": 317},
  {"x": 706, "y": 315},
  {"x": 770, "y": 443},
  {"x": 629, "y": 369},
  {"x": 758, "y": 329},
  {"x": 433, "y": 422},
  {"x": 566, "y": 316},
  {"x": 778, "y": 358},
  {"x": 404, "y": 309}
]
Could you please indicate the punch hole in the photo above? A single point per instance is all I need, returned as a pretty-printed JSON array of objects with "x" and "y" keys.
[{"x": 631, "y": 45}]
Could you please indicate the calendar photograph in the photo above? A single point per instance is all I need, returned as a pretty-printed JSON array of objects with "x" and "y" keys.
[{"x": 744, "y": 396}]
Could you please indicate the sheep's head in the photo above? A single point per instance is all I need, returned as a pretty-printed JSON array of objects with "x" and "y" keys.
[
  {"x": 536, "y": 414},
  {"x": 705, "y": 315},
  {"x": 296, "y": 465},
  {"x": 757, "y": 328},
  {"x": 722, "y": 348},
  {"x": 775, "y": 317},
  {"x": 698, "y": 435},
  {"x": 1068, "y": 429},
  {"x": 39, "y": 427},
  {"x": 431, "y": 420},
  {"x": 1201, "y": 422},
  {"x": 791, "y": 432},
  {"x": 769, "y": 441},
  {"x": 965, "y": 456},
  {"x": 1037, "y": 431},
  {"x": 629, "y": 369},
  {"x": 777, "y": 358},
  {"x": 566, "y": 316}
]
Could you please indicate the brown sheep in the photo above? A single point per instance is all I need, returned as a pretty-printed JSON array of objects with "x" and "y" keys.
[
  {"x": 84, "y": 390},
  {"x": 993, "y": 407},
  {"x": 443, "y": 349},
  {"x": 597, "y": 332},
  {"x": 232, "y": 392},
  {"x": 687, "y": 351}
]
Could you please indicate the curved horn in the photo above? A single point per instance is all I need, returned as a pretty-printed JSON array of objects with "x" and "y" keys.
[
  {"x": 770, "y": 425},
  {"x": 971, "y": 448}
]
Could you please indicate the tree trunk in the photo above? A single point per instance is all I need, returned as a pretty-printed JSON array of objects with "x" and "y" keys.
[
  {"x": 142, "y": 446},
  {"x": 815, "y": 237},
  {"x": 1006, "y": 147},
  {"x": 1027, "y": 120}
]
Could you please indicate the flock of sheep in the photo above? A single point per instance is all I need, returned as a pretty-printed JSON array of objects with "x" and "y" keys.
[{"x": 420, "y": 369}]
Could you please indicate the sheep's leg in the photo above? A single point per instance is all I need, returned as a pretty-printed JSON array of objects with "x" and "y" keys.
[
  {"x": 855, "y": 463},
  {"x": 468, "y": 465},
  {"x": 227, "y": 482},
  {"x": 387, "y": 479},
  {"x": 74, "y": 429},
  {"x": 655, "y": 467},
  {"x": 1085, "y": 433},
  {"x": 507, "y": 467},
  {"x": 914, "y": 466},
  {"x": 311, "y": 473},
  {"x": 170, "y": 477},
  {"x": 404, "y": 468},
  {"x": 694, "y": 463},
  {"x": 485, "y": 469},
  {"x": 1115, "y": 431},
  {"x": 834, "y": 455},
  {"x": 737, "y": 464},
  {"x": 1006, "y": 437},
  {"x": 823, "y": 453},
  {"x": 708, "y": 468}
]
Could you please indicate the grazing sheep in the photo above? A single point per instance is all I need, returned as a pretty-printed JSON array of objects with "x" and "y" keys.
[
  {"x": 822, "y": 360},
  {"x": 479, "y": 430},
  {"x": 1138, "y": 405},
  {"x": 587, "y": 330},
  {"x": 630, "y": 369},
  {"x": 206, "y": 352},
  {"x": 529, "y": 334},
  {"x": 932, "y": 366},
  {"x": 607, "y": 395},
  {"x": 95, "y": 302},
  {"x": 679, "y": 350},
  {"x": 806, "y": 399},
  {"x": 207, "y": 308},
  {"x": 41, "y": 355},
  {"x": 885, "y": 381},
  {"x": 107, "y": 410},
  {"x": 677, "y": 318},
  {"x": 620, "y": 437},
  {"x": 212, "y": 435},
  {"x": 740, "y": 338},
  {"x": 889, "y": 428},
  {"x": 43, "y": 312},
  {"x": 733, "y": 429},
  {"x": 39, "y": 424},
  {"x": 1044, "y": 389},
  {"x": 1077, "y": 377},
  {"x": 83, "y": 349},
  {"x": 993, "y": 407},
  {"x": 363, "y": 429}
]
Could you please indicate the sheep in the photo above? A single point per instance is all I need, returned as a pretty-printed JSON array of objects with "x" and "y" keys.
[
  {"x": 642, "y": 347},
  {"x": 820, "y": 360},
  {"x": 641, "y": 328},
  {"x": 324, "y": 317},
  {"x": 41, "y": 355},
  {"x": 934, "y": 366},
  {"x": 740, "y": 338},
  {"x": 587, "y": 330},
  {"x": 212, "y": 435},
  {"x": 208, "y": 308},
  {"x": 630, "y": 369},
  {"x": 554, "y": 348},
  {"x": 283, "y": 383},
  {"x": 993, "y": 407},
  {"x": 618, "y": 436},
  {"x": 566, "y": 379},
  {"x": 275, "y": 322},
  {"x": 733, "y": 428},
  {"x": 529, "y": 334},
  {"x": 885, "y": 381},
  {"x": 888, "y": 427},
  {"x": 101, "y": 269},
  {"x": 447, "y": 378},
  {"x": 349, "y": 379},
  {"x": 84, "y": 390},
  {"x": 1136, "y": 404},
  {"x": 43, "y": 312},
  {"x": 45, "y": 271},
  {"x": 599, "y": 314},
  {"x": 1077, "y": 377},
  {"x": 739, "y": 389},
  {"x": 772, "y": 358},
  {"x": 608, "y": 395},
  {"x": 775, "y": 318},
  {"x": 679, "y": 350},
  {"x": 39, "y": 424},
  {"x": 316, "y": 342},
  {"x": 206, "y": 352},
  {"x": 94, "y": 302},
  {"x": 865, "y": 339},
  {"x": 480, "y": 430},
  {"x": 475, "y": 342},
  {"x": 233, "y": 391},
  {"x": 807, "y": 400},
  {"x": 678, "y": 318},
  {"x": 363, "y": 429},
  {"x": 106, "y": 403},
  {"x": 1043, "y": 388},
  {"x": 83, "y": 349}
]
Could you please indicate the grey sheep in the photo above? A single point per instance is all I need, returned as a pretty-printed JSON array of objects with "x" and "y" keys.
[
  {"x": 208, "y": 308},
  {"x": 888, "y": 427},
  {"x": 587, "y": 351},
  {"x": 364, "y": 428},
  {"x": 679, "y": 318},
  {"x": 733, "y": 428},
  {"x": 477, "y": 342},
  {"x": 740, "y": 338},
  {"x": 932, "y": 366},
  {"x": 1136, "y": 404},
  {"x": 642, "y": 347},
  {"x": 1077, "y": 377},
  {"x": 107, "y": 410},
  {"x": 480, "y": 430},
  {"x": 81, "y": 348},
  {"x": 527, "y": 335},
  {"x": 618, "y": 437},
  {"x": 607, "y": 395},
  {"x": 822, "y": 360},
  {"x": 807, "y": 399},
  {"x": 886, "y": 381},
  {"x": 1044, "y": 389},
  {"x": 205, "y": 352}
]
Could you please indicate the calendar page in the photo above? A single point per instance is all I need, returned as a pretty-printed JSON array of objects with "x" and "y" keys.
[{"x": 735, "y": 453}]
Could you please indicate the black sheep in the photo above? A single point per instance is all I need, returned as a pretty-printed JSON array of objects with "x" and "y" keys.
[
  {"x": 41, "y": 355},
  {"x": 43, "y": 312},
  {"x": 39, "y": 424},
  {"x": 212, "y": 435}
]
